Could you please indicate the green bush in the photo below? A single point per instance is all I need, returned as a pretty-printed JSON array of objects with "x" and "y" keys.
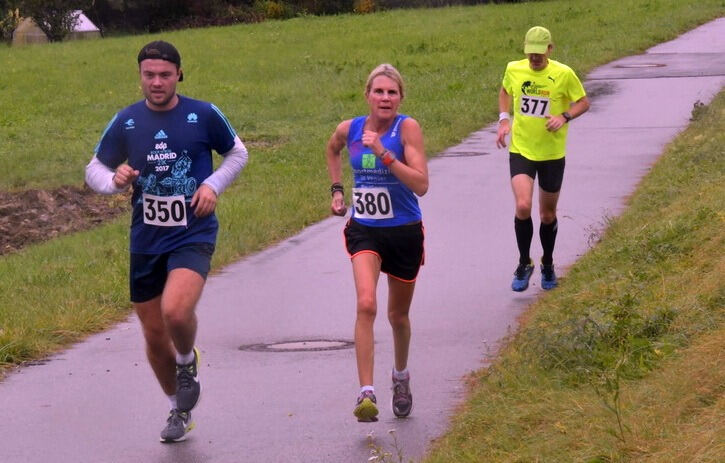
[{"x": 270, "y": 9}]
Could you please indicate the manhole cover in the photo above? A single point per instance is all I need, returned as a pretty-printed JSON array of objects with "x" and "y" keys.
[
  {"x": 641, "y": 65},
  {"x": 300, "y": 346}
]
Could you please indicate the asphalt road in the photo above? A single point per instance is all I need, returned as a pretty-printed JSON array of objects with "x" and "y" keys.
[{"x": 98, "y": 401}]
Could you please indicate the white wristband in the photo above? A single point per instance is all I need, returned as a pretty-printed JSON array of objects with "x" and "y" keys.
[{"x": 503, "y": 115}]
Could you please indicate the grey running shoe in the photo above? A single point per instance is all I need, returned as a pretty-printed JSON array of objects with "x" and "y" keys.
[
  {"x": 188, "y": 387},
  {"x": 178, "y": 425},
  {"x": 402, "y": 397},
  {"x": 366, "y": 409}
]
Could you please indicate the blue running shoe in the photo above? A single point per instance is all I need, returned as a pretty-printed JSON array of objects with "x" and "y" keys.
[
  {"x": 521, "y": 276},
  {"x": 548, "y": 277}
]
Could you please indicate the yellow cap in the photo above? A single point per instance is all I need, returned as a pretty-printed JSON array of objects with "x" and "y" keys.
[{"x": 537, "y": 40}]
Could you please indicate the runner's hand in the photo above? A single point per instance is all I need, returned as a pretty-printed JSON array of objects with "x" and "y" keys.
[
  {"x": 371, "y": 140},
  {"x": 124, "y": 176},
  {"x": 204, "y": 201},
  {"x": 554, "y": 123},
  {"x": 504, "y": 127},
  {"x": 338, "y": 206}
]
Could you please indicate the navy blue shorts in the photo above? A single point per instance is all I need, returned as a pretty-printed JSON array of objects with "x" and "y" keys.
[
  {"x": 149, "y": 271},
  {"x": 551, "y": 173},
  {"x": 400, "y": 248}
]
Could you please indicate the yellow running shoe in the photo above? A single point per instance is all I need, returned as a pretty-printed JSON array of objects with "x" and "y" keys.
[{"x": 366, "y": 409}]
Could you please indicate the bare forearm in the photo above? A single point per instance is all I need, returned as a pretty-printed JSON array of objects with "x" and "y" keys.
[
  {"x": 415, "y": 180},
  {"x": 334, "y": 165},
  {"x": 333, "y": 152},
  {"x": 579, "y": 108},
  {"x": 504, "y": 101}
]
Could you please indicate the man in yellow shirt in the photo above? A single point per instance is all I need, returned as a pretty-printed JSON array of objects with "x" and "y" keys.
[{"x": 546, "y": 96}]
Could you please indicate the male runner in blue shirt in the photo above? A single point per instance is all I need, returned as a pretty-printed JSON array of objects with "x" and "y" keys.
[{"x": 162, "y": 146}]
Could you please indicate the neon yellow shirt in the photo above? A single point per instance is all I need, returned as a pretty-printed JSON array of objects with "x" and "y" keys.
[{"x": 537, "y": 94}]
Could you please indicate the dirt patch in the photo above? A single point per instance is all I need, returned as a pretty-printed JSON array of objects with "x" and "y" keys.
[{"x": 32, "y": 216}]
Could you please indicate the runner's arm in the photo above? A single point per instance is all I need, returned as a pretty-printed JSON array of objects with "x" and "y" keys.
[
  {"x": 234, "y": 161},
  {"x": 414, "y": 172},
  {"x": 579, "y": 107},
  {"x": 504, "y": 123},
  {"x": 333, "y": 156},
  {"x": 576, "y": 109},
  {"x": 100, "y": 178}
]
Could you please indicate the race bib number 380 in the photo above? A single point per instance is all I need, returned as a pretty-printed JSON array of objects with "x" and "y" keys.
[
  {"x": 372, "y": 203},
  {"x": 164, "y": 211},
  {"x": 534, "y": 106}
]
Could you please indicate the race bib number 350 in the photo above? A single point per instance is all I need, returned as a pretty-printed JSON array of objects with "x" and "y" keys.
[
  {"x": 164, "y": 211},
  {"x": 372, "y": 203},
  {"x": 534, "y": 106}
]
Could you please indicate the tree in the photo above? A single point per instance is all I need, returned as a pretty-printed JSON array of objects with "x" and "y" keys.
[
  {"x": 54, "y": 17},
  {"x": 9, "y": 18}
]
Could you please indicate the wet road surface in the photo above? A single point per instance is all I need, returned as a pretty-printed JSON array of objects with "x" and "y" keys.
[{"x": 98, "y": 401}]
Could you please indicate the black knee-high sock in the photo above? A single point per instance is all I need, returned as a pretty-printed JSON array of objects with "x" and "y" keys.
[
  {"x": 524, "y": 234},
  {"x": 547, "y": 234}
]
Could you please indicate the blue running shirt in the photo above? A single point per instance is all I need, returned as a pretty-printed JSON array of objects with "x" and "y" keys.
[
  {"x": 172, "y": 151},
  {"x": 379, "y": 199}
]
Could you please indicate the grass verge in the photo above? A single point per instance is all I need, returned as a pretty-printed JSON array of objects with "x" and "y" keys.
[
  {"x": 284, "y": 86},
  {"x": 625, "y": 361}
]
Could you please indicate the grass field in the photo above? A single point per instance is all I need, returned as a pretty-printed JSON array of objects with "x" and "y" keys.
[
  {"x": 284, "y": 86},
  {"x": 625, "y": 362}
]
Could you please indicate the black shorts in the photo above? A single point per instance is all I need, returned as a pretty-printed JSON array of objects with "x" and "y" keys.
[
  {"x": 400, "y": 248},
  {"x": 551, "y": 173},
  {"x": 149, "y": 271}
]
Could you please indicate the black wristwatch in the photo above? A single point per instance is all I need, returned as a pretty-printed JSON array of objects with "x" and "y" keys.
[
  {"x": 567, "y": 116},
  {"x": 337, "y": 187}
]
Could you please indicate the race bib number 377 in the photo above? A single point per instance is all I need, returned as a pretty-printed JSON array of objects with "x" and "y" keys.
[
  {"x": 534, "y": 106},
  {"x": 164, "y": 211},
  {"x": 372, "y": 203}
]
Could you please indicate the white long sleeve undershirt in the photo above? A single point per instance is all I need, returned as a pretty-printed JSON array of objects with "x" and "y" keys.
[
  {"x": 100, "y": 177},
  {"x": 234, "y": 161}
]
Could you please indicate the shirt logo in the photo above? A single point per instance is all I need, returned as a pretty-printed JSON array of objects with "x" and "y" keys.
[
  {"x": 532, "y": 88},
  {"x": 130, "y": 124},
  {"x": 192, "y": 118},
  {"x": 395, "y": 128},
  {"x": 368, "y": 161},
  {"x": 160, "y": 135}
]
